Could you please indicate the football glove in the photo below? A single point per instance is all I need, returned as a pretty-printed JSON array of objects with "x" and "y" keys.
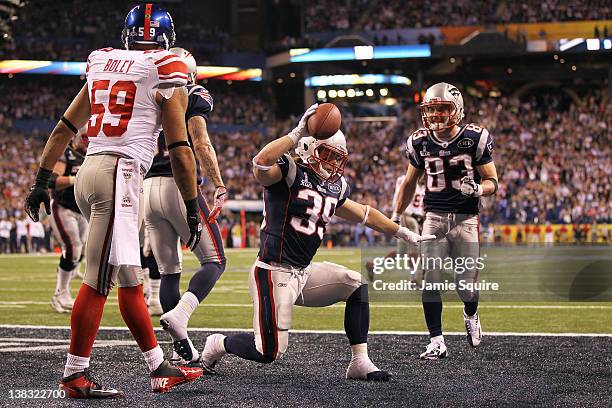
[
  {"x": 411, "y": 237},
  {"x": 300, "y": 130},
  {"x": 194, "y": 222},
  {"x": 470, "y": 188},
  {"x": 219, "y": 202},
  {"x": 38, "y": 195}
]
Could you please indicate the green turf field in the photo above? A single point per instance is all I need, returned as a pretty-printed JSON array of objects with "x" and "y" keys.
[{"x": 27, "y": 284}]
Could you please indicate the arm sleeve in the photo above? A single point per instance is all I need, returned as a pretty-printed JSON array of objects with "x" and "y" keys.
[
  {"x": 413, "y": 156},
  {"x": 200, "y": 103},
  {"x": 345, "y": 192},
  {"x": 484, "y": 149},
  {"x": 171, "y": 70}
]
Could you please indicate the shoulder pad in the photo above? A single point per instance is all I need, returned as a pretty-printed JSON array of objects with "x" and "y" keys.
[
  {"x": 422, "y": 132},
  {"x": 472, "y": 127}
]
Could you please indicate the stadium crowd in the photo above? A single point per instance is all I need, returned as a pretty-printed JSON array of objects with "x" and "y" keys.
[
  {"x": 395, "y": 14},
  {"x": 552, "y": 155}
]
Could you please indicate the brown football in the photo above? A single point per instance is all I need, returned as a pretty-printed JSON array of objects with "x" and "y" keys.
[{"x": 325, "y": 121}]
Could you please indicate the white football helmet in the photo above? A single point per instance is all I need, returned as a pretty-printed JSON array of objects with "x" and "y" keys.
[
  {"x": 325, "y": 157},
  {"x": 189, "y": 60},
  {"x": 442, "y": 107}
]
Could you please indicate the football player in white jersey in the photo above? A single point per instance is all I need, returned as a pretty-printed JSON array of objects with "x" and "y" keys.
[{"x": 129, "y": 95}]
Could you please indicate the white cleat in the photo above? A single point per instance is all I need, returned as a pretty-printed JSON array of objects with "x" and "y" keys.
[
  {"x": 435, "y": 350},
  {"x": 473, "y": 329},
  {"x": 362, "y": 368},
  {"x": 214, "y": 350},
  {"x": 155, "y": 308},
  {"x": 175, "y": 323},
  {"x": 62, "y": 302},
  {"x": 185, "y": 354}
]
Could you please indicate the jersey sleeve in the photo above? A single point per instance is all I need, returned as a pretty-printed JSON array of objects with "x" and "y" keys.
[
  {"x": 288, "y": 168},
  {"x": 411, "y": 150},
  {"x": 200, "y": 103},
  {"x": 171, "y": 70},
  {"x": 345, "y": 192},
  {"x": 484, "y": 149}
]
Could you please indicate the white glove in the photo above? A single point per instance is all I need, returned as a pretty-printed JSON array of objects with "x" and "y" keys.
[
  {"x": 300, "y": 130},
  {"x": 470, "y": 188},
  {"x": 218, "y": 203},
  {"x": 409, "y": 236}
]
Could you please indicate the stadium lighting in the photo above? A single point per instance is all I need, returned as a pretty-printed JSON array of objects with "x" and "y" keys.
[
  {"x": 369, "y": 92},
  {"x": 321, "y": 94},
  {"x": 361, "y": 53},
  {"x": 332, "y": 93},
  {"x": 355, "y": 79},
  {"x": 350, "y": 93},
  {"x": 607, "y": 44},
  {"x": 341, "y": 93},
  {"x": 384, "y": 92}
]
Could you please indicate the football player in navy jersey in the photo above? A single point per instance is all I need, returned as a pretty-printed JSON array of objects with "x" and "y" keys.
[
  {"x": 301, "y": 195},
  {"x": 68, "y": 224},
  {"x": 459, "y": 169},
  {"x": 166, "y": 226}
]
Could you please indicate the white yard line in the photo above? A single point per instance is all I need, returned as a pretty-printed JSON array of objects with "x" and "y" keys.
[{"x": 382, "y": 332}]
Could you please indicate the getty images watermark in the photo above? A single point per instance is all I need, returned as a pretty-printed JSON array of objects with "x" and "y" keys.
[{"x": 465, "y": 273}]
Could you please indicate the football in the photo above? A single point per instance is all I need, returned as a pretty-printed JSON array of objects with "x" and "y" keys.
[{"x": 325, "y": 121}]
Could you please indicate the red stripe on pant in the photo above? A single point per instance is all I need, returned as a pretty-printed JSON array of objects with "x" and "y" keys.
[{"x": 267, "y": 313}]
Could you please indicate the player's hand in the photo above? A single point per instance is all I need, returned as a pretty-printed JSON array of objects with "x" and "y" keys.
[
  {"x": 219, "y": 202},
  {"x": 36, "y": 197},
  {"x": 301, "y": 130},
  {"x": 409, "y": 236},
  {"x": 470, "y": 188},
  {"x": 194, "y": 222},
  {"x": 396, "y": 218}
]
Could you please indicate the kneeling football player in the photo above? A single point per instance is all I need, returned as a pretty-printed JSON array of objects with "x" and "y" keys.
[{"x": 300, "y": 197}]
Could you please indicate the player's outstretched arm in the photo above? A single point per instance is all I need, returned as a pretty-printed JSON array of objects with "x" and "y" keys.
[
  {"x": 371, "y": 217},
  {"x": 182, "y": 159},
  {"x": 405, "y": 192},
  {"x": 74, "y": 118},
  {"x": 265, "y": 169}
]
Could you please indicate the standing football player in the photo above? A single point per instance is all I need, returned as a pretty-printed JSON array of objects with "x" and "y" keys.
[
  {"x": 165, "y": 221},
  {"x": 300, "y": 198},
  {"x": 129, "y": 95},
  {"x": 459, "y": 169},
  {"x": 67, "y": 222}
]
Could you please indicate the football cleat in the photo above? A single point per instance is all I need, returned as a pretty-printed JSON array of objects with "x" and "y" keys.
[
  {"x": 435, "y": 350},
  {"x": 362, "y": 368},
  {"x": 214, "y": 349},
  {"x": 175, "y": 323},
  {"x": 473, "y": 329},
  {"x": 82, "y": 385},
  {"x": 185, "y": 354},
  {"x": 62, "y": 302},
  {"x": 167, "y": 376}
]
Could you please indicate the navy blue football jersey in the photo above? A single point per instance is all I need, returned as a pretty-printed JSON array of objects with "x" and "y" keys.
[
  {"x": 446, "y": 163},
  {"x": 297, "y": 210},
  {"x": 200, "y": 104},
  {"x": 65, "y": 197}
]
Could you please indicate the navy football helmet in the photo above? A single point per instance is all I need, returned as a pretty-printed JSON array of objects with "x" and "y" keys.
[{"x": 148, "y": 24}]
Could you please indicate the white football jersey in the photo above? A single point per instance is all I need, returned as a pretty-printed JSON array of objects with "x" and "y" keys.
[
  {"x": 122, "y": 84},
  {"x": 416, "y": 206}
]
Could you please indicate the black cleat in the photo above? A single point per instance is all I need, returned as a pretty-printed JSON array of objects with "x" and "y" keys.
[{"x": 83, "y": 385}]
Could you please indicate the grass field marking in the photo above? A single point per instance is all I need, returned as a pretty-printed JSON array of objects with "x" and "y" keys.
[
  {"x": 19, "y": 344},
  {"x": 339, "y": 332}
]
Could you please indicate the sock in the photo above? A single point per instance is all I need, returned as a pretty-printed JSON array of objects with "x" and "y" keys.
[
  {"x": 154, "y": 357},
  {"x": 63, "y": 280},
  {"x": 75, "y": 364},
  {"x": 243, "y": 346},
  {"x": 359, "y": 350},
  {"x": 187, "y": 304},
  {"x": 357, "y": 316},
  {"x": 136, "y": 317},
  {"x": 154, "y": 286},
  {"x": 432, "y": 307},
  {"x": 204, "y": 279},
  {"x": 470, "y": 308},
  {"x": 437, "y": 339},
  {"x": 85, "y": 320},
  {"x": 151, "y": 264},
  {"x": 169, "y": 291}
]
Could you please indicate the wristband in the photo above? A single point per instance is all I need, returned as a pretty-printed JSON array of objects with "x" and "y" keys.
[
  {"x": 69, "y": 125},
  {"x": 192, "y": 206},
  {"x": 494, "y": 181},
  {"x": 178, "y": 144},
  {"x": 294, "y": 137},
  {"x": 42, "y": 178},
  {"x": 52, "y": 181}
]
